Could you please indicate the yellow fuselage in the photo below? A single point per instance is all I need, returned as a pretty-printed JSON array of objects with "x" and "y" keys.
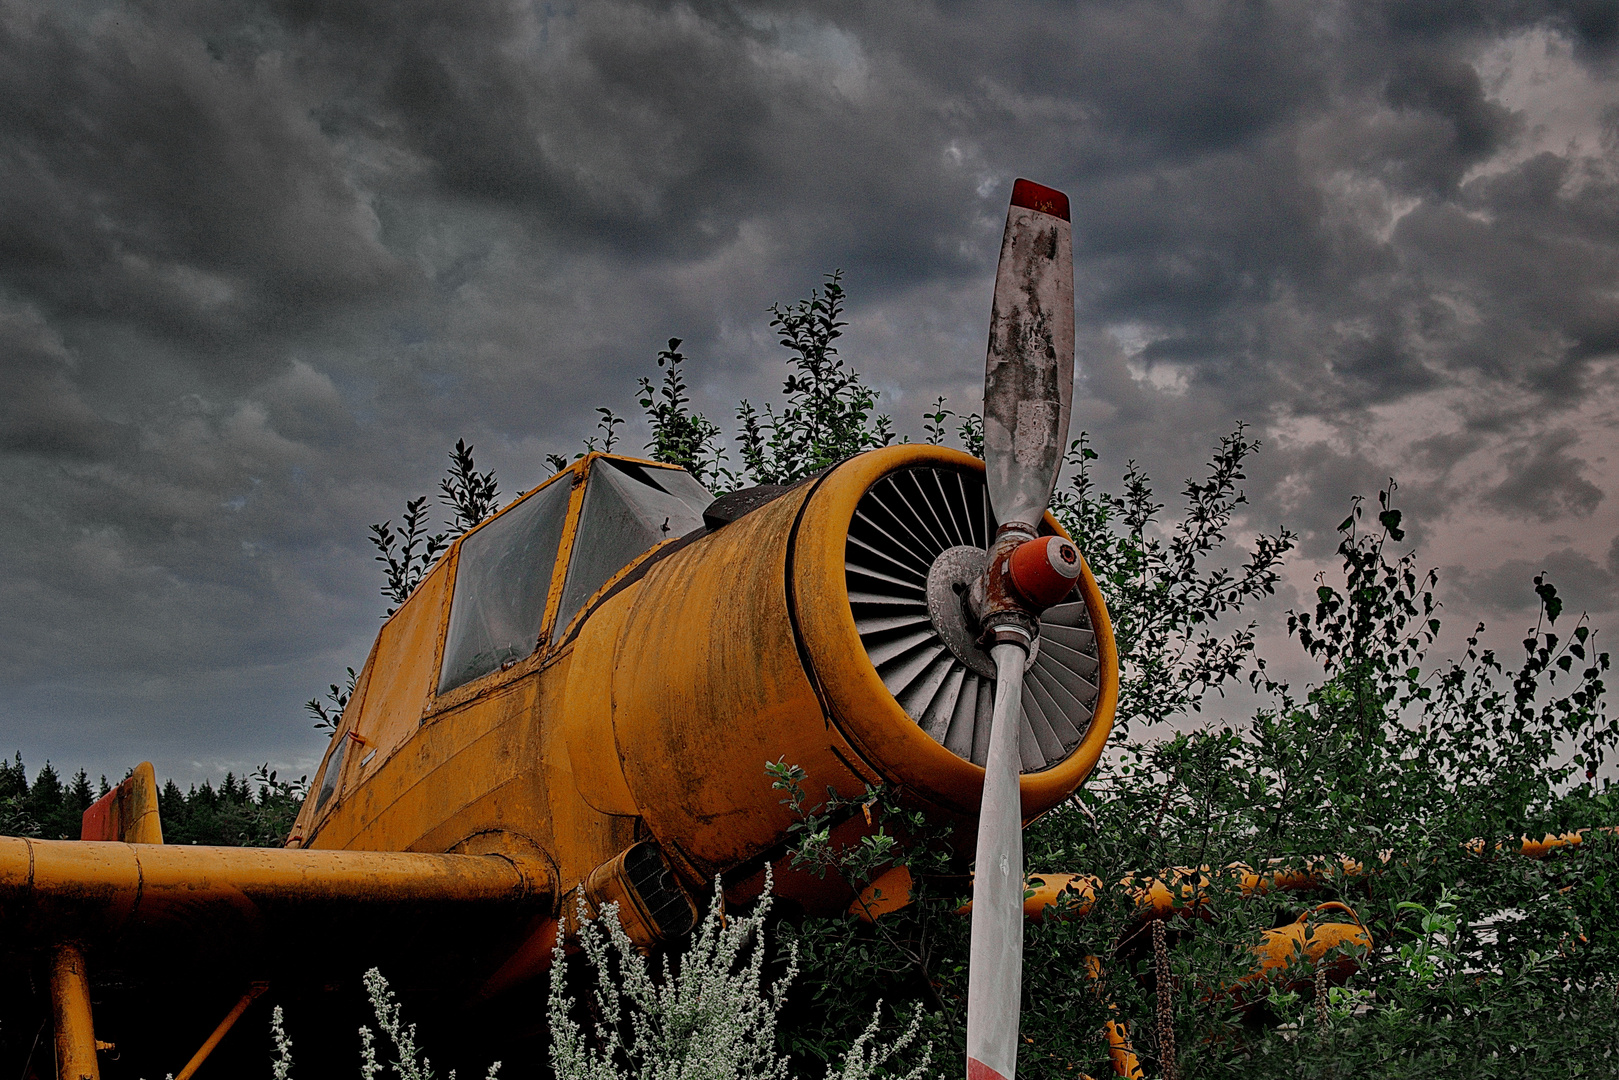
[{"x": 653, "y": 714}]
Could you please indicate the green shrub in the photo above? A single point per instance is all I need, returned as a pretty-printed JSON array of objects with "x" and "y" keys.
[{"x": 1425, "y": 773}]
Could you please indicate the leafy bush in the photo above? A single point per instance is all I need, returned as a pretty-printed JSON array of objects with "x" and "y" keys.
[
  {"x": 680, "y": 436},
  {"x": 408, "y": 554},
  {"x": 827, "y": 411},
  {"x": 1166, "y": 594}
]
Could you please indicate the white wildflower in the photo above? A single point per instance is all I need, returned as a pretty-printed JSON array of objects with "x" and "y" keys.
[
  {"x": 281, "y": 1067},
  {"x": 707, "y": 1018}
]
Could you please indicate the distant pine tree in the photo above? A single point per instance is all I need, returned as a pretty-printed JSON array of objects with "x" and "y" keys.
[
  {"x": 172, "y": 811},
  {"x": 75, "y": 801},
  {"x": 15, "y": 820},
  {"x": 13, "y": 779},
  {"x": 201, "y": 799},
  {"x": 44, "y": 804}
]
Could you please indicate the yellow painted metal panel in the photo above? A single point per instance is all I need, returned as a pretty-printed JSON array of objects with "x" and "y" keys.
[
  {"x": 449, "y": 765},
  {"x": 402, "y": 677},
  {"x": 586, "y": 716},
  {"x": 141, "y": 824},
  {"x": 120, "y": 884},
  {"x": 75, "y": 1034},
  {"x": 708, "y": 686}
]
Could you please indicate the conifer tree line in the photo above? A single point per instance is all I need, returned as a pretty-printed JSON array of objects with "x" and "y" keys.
[
  {"x": 250, "y": 812},
  {"x": 45, "y": 807}
]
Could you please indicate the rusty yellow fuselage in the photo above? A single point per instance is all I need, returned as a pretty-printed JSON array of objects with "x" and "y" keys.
[
  {"x": 650, "y": 715},
  {"x": 613, "y": 740}
]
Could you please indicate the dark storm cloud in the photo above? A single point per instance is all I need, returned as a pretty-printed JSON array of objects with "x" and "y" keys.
[
  {"x": 148, "y": 182},
  {"x": 1454, "y": 126},
  {"x": 1509, "y": 589},
  {"x": 262, "y": 263},
  {"x": 1545, "y": 481},
  {"x": 42, "y": 410}
]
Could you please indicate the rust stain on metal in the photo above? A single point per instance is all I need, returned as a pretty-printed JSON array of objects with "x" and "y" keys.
[{"x": 1029, "y": 369}]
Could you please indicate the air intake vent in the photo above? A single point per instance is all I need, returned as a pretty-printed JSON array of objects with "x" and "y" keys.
[
  {"x": 652, "y": 907},
  {"x": 666, "y": 904},
  {"x": 901, "y": 527}
]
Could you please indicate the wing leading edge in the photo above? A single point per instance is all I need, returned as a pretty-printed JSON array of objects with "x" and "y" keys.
[{"x": 264, "y": 910}]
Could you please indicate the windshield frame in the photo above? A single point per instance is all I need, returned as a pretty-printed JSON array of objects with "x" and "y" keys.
[{"x": 551, "y": 645}]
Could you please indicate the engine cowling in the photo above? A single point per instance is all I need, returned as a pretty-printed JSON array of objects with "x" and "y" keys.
[{"x": 785, "y": 635}]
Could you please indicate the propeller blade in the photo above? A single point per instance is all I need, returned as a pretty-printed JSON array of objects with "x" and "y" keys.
[
  {"x": 995, "y": 963},
  {"x": 1029, "y": 372},
  {"x": 1028, "y": 391}
]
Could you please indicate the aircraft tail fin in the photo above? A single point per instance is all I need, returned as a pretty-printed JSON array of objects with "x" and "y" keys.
[{"x": 127, "y": 813}]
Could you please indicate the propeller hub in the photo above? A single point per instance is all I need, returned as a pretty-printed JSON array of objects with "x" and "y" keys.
[
  {"x": 1043, "y": 571},
  {"x": 1022, "y": 576},
  {"x": 1004, "y": 615},
  {"x": 951, "y": 583}
]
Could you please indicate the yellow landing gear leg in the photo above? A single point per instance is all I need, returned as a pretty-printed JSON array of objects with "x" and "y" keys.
[{"x": 70, "y": 1011}]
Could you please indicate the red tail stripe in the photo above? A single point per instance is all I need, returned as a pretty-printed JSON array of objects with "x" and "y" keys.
[{"x": 101, "y": 820}]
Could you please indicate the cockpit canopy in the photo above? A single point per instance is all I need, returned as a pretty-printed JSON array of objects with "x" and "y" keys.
[{"x": 505, "y": 568}]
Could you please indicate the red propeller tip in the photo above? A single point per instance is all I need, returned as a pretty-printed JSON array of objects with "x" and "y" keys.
[
  {"x": 1035, "y": 196},
  {"x": 977, "y": 1070}
]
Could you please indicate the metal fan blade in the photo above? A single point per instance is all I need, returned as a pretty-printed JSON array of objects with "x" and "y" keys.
[
  {"x": 1029, "y": 372},
  {"x": 995, "y": 964}
]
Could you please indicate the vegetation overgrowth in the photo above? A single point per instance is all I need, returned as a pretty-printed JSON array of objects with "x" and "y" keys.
[
  {"x": 1406, "y": 781},
  {"x": 709, "y": 1012},
  {"x": 1403, "y": 780}
]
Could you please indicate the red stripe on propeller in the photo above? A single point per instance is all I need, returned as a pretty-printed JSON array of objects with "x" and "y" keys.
[
  {"x": 1035, "y": 196},
  {"x": 977, "y": 1070}
]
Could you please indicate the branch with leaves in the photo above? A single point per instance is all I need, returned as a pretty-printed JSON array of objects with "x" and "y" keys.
[{"x": 1166, "y": 590}]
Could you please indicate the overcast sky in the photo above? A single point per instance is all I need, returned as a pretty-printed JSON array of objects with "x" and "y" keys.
[{"x": 262, "y": 264}]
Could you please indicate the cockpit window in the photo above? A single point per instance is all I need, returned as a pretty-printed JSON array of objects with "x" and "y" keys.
[
  {"x": 501, "y": 583},
  {"x": 628, "y": 508},
  {"x": 334, "y": 773}
]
